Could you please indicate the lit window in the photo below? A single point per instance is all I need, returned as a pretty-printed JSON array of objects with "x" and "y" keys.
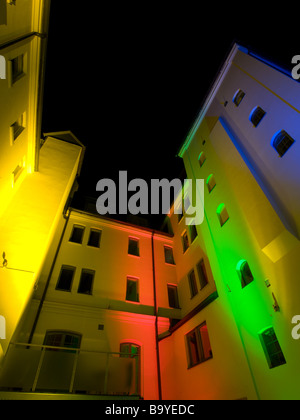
[
  {"x": 211, "y": 183},
  {"x": 257, "y": 115},
  {"x": 94, "y": 238},
  {"x": 281, "y": 142},
  {"x": 203, "y": 279},
  {"x": 133, "y": 247},
  {"x": 185, "y": 241},
  {"x": 201, "y": 159},
  {"x": 132, "y": 290},
  {"x": 86, "y": 282},
  {"x": 192, "y": 283},
  {"x": 198, "y": 344},
  {"x": 238, "y": 97},
  {"x": 169, "y": 258},
  {"x": 173, "y": 296},
  {"x": 77, "y": 234},
  {"x": 65, "y": 278},
  {"x": 222, "y": 214},
  {"x": 245, "y": 273},
  {"x": 272, "y": 349}
]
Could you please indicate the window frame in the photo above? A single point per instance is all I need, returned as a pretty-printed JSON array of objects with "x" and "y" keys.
[
  {"x": 135, "y": 281},
  {"x": 238, "y": 97},
  {"x": 202, "y": 274},
  {"x": 170, "y": 249},
  {"x": 200, "y": 351},
  {"x": 284, "y": 137},
  {"x": 137, "y": 242},
  {"x": 89, "y": 272},
  {"x": 78, "y": 227},
  {"x": 173, "y": 288},
  {"x": 69, "y": 268},
  {"x": 193, "y": 283},
  {"x": 93, "y": 231},
  {"x": 266, "y": 345},
  {"x": 185, "y": 241}
]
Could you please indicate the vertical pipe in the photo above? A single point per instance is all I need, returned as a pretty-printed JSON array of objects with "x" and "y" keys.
[{"x": 156, "y": 321}]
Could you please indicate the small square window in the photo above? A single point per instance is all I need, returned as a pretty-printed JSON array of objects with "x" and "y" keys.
[
  {"x": 86, "y": 282},
  {"x": 281, "y": 142},
  {"x": 198, "y": 345},
  {"x": 238, "y": 97},
  {"x": 132, "y": 290},
  {"x": 272, "y": 349},
  {"x": 192, "y": 283},
  {"x": 169, "y": 258},
  {"x": 203, "y": 279},
  {"x": 257, "y": 115},
  {"x": 133, "y": 247},
  {"x": 77, "y": 234},
  {"x": 173, "y": 296},
  {"x": 94, "y": 238},
  {"x": 185, "y": 241},
  {"x": 65, "y": 279}
]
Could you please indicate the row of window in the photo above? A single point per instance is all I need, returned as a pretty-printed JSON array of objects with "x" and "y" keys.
[
  {"x": 281, "y": 140},
  {"x": 86, "y": 282},
  {"x": 133, "y": 243},
  {"x": 199, "y": 347}
]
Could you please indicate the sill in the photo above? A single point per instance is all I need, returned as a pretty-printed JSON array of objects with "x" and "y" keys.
[
  {"x": 135, "y": 256},
  {"x": 199, "y": 363},
  {"x": 133, "y": 301}
]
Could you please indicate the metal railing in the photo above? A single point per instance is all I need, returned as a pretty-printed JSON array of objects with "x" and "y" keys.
[{"x": 41, "y": 368}]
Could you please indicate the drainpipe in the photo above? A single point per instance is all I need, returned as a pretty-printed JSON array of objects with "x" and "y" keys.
[
  {"x": 66, "y": 217},
  {"x": 156, "y": 321}
]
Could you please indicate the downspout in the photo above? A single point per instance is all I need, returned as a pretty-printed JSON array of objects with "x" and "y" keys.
[
  {"x": 66, "y": 217},
  {"x": 156, "y": 320}
]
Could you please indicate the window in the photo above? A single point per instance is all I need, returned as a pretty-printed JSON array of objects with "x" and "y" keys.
[
  {"x": 86, "y": 282},
  {"x": 238, "y": 97},
  {"x": 203, "y": 279},
  {"x": 94, "y": 238},
  {"x": 245, "y": 273},
  {"x": 17, "y": 128},
  {"x": 133, "y": 351},
  {"x": 281, "y": 142},
  {"x": 211, "y": 183},
  {"x": 18, "y": 171},
  {"x": 65, "y": 278},
  {"x": 198, "y": 345},
  {"x": 133, "y": 247},
  {"x": 169, "y": 258},
  {"x": 185, "y": 241},
  {"x": 132, "y": 290},
  {"x": 192, "y": 283},
  {"x": 201, "y": 159},
  {"x": 3, "y": 12},
  {"x": 62, "y": 339},
  {"x": 271, "y": 347},
  {"x": 173, "y": 296},
  {"x": 257, "y": 115},
  {"x": 17, "y": 68},
  {"x": 77, "y": 234},
  {"x": 222, "y": 214},
  {"x": 193, "y": 232}
]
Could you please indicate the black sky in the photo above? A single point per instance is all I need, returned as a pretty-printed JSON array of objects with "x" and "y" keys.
[{"x": 129, "y": 78}]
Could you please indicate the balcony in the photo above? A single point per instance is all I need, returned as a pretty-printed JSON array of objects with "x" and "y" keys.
[{"x": 70, "y": 373}]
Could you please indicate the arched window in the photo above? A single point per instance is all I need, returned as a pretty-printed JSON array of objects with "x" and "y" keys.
[
  {"x": 211, "y": 183},
  {"x": 238, "y": 97},
  {"x": 257, "y": 115},
  {"x": 63, "y": 339},
  {"x": 222, "y": 214},
  {"x": 245, "y": 273},
  {"x": 281, "y": 142}
]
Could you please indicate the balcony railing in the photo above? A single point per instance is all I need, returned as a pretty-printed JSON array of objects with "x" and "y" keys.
[{"x": 38, "y": 368}]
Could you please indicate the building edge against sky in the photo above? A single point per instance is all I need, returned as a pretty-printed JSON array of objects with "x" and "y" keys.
[{"x": 204, "y": 313}]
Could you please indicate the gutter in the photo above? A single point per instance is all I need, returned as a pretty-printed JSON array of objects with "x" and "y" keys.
[{"x": 156, "y": 320}]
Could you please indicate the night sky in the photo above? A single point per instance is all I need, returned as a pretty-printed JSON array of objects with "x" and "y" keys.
[{"x": 129, "y": 79}]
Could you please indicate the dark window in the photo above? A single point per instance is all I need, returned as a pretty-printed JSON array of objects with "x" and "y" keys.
[
  {"x": 185, "y": 241},
  {"x": 203, "y": 279},
  {"x": 211, "y": 183},
  {"x": 17, "y": 68},
  {"x": 173, "y": 296},
  {"x": 62, "y": 339},
  {"x": 238, "y": 97},
  {"x": 133, "y": 247},
  {"x": 169, "y": 258},
  {"x": 257, "y": 115},
  {"x": 94, "y": 238},
  {"x": 281, "y": 142},
  {"x": 77, "y": 234},
  {"x": 192, "y": 283},
  {"x": 201, "y": 159},
  {"x": 132, "y": 290},
  {"x": 65, "y": 279},
  {"x": 193, "y": 232},
  {"x": 198, "y": 343},
  {"x": 272, "y": 349},
  {"x": 245, "y": 273},
  {"x": 86, "y": 282},
  {"x": 222, "y": 214}
]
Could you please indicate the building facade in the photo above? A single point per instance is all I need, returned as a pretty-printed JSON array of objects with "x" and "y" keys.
[{"x": 97, "y": 308}]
